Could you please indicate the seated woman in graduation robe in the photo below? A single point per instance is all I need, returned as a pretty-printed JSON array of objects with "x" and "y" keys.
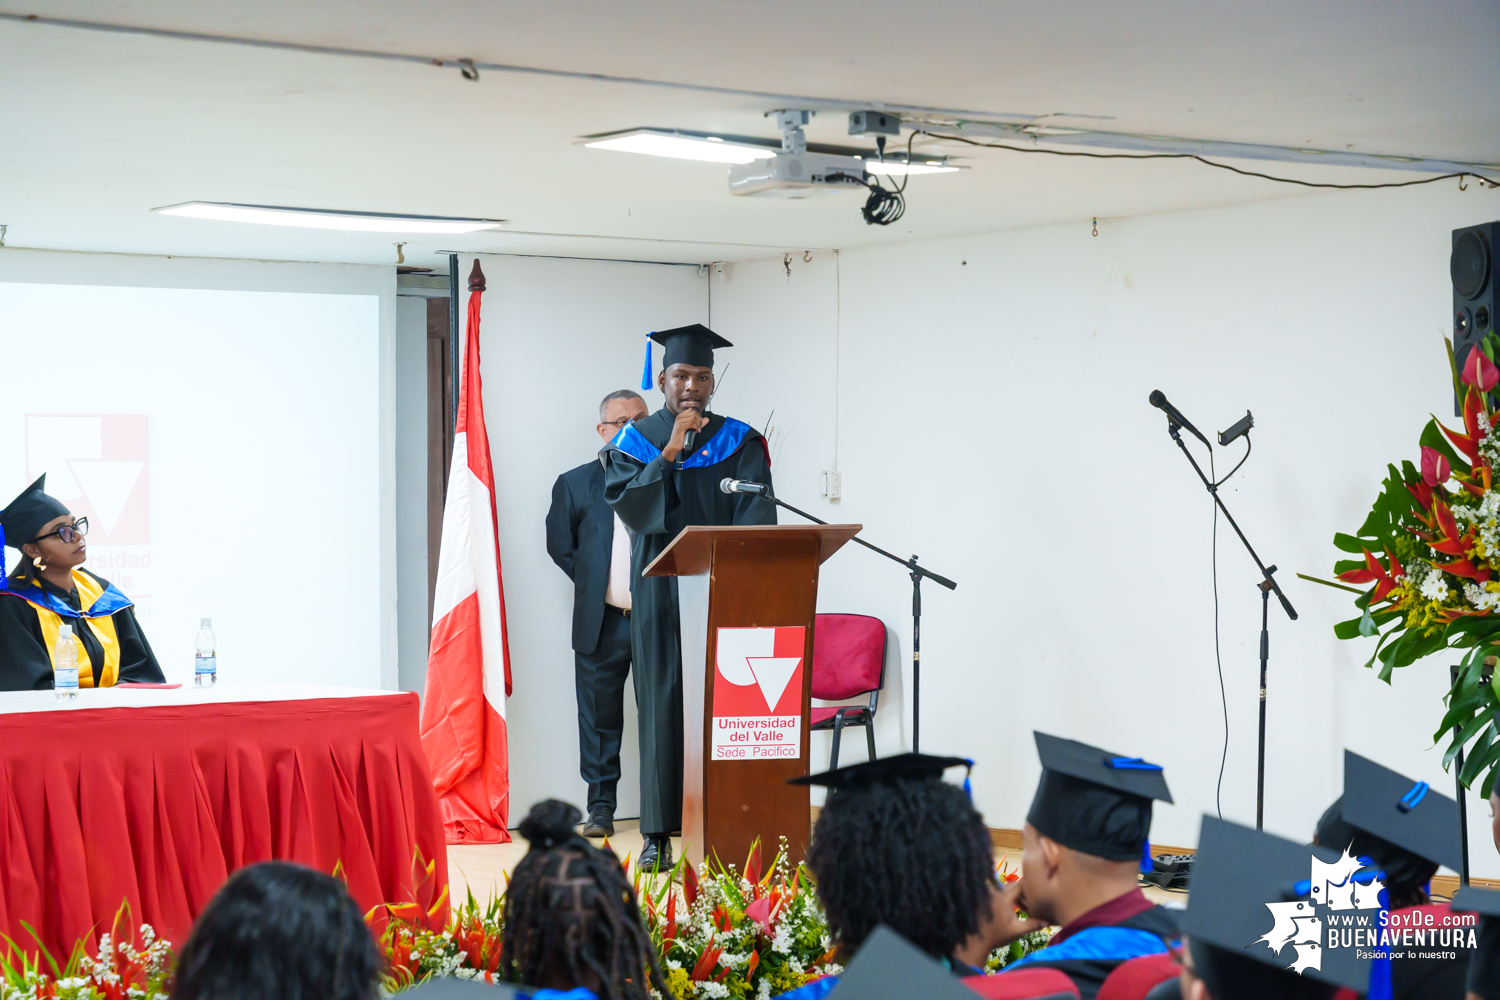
[{"x": 49, "y": 589}]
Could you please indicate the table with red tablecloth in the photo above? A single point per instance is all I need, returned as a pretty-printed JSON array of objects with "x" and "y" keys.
[{"x": 153, "y": 796}]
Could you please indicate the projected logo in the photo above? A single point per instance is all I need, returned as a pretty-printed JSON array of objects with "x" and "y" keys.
[
  {"x": 757, "y": 703},
  {"x": 99, "y": 466}
]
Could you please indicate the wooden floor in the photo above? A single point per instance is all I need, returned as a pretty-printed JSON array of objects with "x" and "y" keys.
[{"x": 482, "y": 868}]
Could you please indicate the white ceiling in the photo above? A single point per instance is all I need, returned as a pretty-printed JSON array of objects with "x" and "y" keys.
[{"x": 99, "y": 128}]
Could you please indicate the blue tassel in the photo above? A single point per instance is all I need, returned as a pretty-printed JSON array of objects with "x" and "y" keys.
[
  {"x": 968, "y": 788},
  {"x": 1146, "y": 866},
  {"x": 2, "y": 558},
  {"x": 646, "y": 371}
]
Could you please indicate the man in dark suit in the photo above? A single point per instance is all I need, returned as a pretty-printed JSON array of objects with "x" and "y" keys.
[{"x": 585, "y": 538}]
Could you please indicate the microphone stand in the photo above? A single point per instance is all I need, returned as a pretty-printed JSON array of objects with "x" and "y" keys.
[
  {"x": 916, "y": 572},
  {"x": 1267, "y": 585}
]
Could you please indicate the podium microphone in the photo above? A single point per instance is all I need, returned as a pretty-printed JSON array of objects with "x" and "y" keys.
[
  {"x": 1160, "y": 402},
  {"x": 744, "y": 486}
]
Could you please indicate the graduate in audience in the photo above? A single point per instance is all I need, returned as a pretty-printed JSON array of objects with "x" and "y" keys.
[
  {"x": 281, "y": 930},
  {"x": 1085, "y": 839},
  {"x": 1236, "y": 873},
  {"x": 1406, "y": 830},
  {"x": 50, "y": 588},
  {"x": 572, "y": 923},
  {"x": 896, "y": 845},
  {"x": 659, "y": 486}
]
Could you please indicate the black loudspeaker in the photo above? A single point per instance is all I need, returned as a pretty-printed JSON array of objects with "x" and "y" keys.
[{"x": 1475, "y": 272}]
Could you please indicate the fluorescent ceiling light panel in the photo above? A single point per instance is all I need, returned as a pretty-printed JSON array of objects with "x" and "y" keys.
[
  {"x": 318, "y": 218},
  {"x": 681, "y": 146},
  {"x": 898, "y": 167}
]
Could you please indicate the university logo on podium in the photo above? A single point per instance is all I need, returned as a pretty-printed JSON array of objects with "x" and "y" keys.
[{"x": 757, "y": 703}]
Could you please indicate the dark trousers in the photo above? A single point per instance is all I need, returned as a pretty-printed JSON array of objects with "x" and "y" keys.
[{"x": 600, "y": 678}]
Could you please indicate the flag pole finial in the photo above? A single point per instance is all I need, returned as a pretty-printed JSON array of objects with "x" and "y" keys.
[{"x": 476, "y": 278}]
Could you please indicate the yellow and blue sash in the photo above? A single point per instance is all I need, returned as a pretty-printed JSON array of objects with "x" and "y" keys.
[{"x": 98, "y": 602}]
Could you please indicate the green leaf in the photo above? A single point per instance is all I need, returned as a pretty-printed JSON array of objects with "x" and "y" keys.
[
  {"x": 1484, "y": 753},
  {"x": 1367, "y": 624},
  {"x": 1467, "y": 733},
  {"x": 1349, "y": 543},
  {"x": 1345, "y": 565},
  {"x": 1349, "y": 629}
]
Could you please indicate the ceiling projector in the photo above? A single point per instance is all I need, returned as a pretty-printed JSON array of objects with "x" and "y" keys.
[{"x": 796, "y": 175}]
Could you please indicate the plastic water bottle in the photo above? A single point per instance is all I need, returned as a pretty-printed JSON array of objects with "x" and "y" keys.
[
  {"x": 206, "y": 668},
  {"x": 65, "y": 665}
]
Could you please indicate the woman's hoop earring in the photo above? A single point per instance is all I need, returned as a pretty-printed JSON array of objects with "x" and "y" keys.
[{"x": 37, "y": 562}]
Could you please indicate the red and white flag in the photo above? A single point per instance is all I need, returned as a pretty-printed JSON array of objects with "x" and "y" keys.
[{"x": 468, "y": 664}]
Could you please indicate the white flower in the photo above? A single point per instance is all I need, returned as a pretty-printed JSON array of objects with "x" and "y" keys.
[
  {"x": 783, "y": 941},
  {"x": 1434, "y": 587},
  {"x": 1480, "y": 599},
  {"x": 709, "y": 988},
  {"x": 672, "y": 963},
  {"x": 763, "y": 991}
]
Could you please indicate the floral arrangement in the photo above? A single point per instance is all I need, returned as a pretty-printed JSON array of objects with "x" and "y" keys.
[
  {"x": 1430, "y": 549},
  {"x": 721, "y": 932},
  {"x": 124, "y": 967},
  {"x": 748, "y": 934}
]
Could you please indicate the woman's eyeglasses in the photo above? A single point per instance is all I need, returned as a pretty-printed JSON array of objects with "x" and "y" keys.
[{"x": 69, "y": 533}]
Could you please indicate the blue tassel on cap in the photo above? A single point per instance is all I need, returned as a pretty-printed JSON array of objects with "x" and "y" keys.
[
  {"x": 646, "y": 371},
  {"x": 2, "y": 558},
  {"x": 1146, "y": 866}
]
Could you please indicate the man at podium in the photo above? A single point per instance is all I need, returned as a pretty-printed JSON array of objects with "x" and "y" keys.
[{"x": 661, "y": 474}]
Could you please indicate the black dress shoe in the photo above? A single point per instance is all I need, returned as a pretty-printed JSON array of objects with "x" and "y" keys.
[
  {"x": 600, "y": 824},
  {"x": 657, "y": 854}
]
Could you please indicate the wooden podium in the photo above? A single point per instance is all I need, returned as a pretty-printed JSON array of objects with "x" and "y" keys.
[{"x": 749, "y": 593}]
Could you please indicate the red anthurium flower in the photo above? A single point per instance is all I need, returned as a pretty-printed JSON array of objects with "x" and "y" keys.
[
  {"x": 760, "y": 912},
  {"x": 1435, "y": 467},
  {"x": 1480, "y": 371}
]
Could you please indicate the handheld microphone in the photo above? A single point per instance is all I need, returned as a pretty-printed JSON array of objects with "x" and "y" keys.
[
  {"x": 1160, "y": 402},
  {"x": 1238, "y": 429},
  {"x": 689, "y": 441},
  {"x": 744, "y": 486}
]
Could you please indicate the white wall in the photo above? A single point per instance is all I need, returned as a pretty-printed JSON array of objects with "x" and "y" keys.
[
  {"x": 556, "y": 336},
  {"x": 256, "y": 395},
  {"x": 992, "y": 416},
  {"x": 412, "y": 611}
]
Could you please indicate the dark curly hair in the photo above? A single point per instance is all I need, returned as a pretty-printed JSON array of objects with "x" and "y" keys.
[
  {"x": 570, "y": 913},
  {"x": 278, "y": 929},
  {"x": 913, "y": 855}
]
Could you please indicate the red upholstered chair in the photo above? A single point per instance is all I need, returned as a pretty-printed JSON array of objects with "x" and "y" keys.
[
  {"x": 1024, "y": 984},
  {"x": 1132, "y": 980},
  {"x": 848, "y": 660}
]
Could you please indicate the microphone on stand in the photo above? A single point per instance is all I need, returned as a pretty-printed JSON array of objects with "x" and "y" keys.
[
  {"x": 1160, "y": 402},
  {"x": 744, "y": 486}
]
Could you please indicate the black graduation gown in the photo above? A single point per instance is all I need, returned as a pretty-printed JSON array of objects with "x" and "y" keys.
[
  {"x": 26, "y": 665},
  {"x": 656, "y": 500}
]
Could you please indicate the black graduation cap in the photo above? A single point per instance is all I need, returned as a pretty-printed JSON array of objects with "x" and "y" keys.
[
  {"x": 884, "y": 770},
  {"x": 1401, "y": 824},
  {"x": 684, "y": 345},
  {"x": 1095, "y": 801},
  {"x": 1236, "y": 873},
  {"x": 1472, "y": 900},
  {"x": 28, "y": 513},
  {"x": 889, "y": 967}
]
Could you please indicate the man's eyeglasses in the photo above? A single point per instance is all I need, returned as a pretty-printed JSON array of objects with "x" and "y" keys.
[
  {"x": 69, "y": 533},
  {"x": 616, "y": 423}
]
